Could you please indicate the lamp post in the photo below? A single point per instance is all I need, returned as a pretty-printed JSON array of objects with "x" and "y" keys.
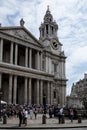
[{"x": 0, "y": 104}]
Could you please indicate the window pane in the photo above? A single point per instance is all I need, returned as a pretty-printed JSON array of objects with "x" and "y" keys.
[{"x": 55, "y": 67}]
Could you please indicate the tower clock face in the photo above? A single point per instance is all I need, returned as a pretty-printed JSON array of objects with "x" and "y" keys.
[{"x": 54, "y": 44}]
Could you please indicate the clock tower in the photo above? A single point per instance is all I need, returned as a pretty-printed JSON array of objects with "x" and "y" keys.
[
  {"x": 53, "y": 59},
  {"x": 48, "y": 33}
]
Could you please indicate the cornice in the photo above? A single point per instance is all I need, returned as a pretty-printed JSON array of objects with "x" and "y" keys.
[{"x": 27, "y": 71}]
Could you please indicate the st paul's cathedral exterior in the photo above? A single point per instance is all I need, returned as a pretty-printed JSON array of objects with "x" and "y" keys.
[{"x": 32, "y": 71}]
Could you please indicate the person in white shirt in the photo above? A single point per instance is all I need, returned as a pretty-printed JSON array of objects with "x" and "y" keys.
[
  {"x": 25, "y": 116},
  {"x": 31, "y": 113}
]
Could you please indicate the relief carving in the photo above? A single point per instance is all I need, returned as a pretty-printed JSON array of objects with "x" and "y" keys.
[{"x": 21, "y": 34}]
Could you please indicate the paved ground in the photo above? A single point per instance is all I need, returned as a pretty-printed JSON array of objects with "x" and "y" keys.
[
  {"x": 46, "y": 128},
  {"x": 37, "y": 123}
]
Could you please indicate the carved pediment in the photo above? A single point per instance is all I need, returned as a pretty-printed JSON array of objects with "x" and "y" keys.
[{"x": 22, "y": 33}]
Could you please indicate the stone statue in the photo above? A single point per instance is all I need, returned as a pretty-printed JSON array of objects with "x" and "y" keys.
[{"x": 22, "y": 22}]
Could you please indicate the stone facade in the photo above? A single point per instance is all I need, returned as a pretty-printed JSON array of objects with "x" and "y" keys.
[
  {"x": 80, "y": 89},
  {"x": 73, "y": 101},
  {"x": 32, "y": 71}
]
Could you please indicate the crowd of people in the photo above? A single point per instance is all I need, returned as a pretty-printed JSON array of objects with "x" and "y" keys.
[{"x": 22, "y": 112}]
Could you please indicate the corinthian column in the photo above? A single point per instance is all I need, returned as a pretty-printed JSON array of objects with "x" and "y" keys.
[
  {"x": 41, "y": 61},
  {"x": 15, "y": 90},
  {"x": 41, "y": 92},
  {"x": 37, "y": 93},
  {"x": 10, "y": 89},
  {"x": 1, "y": 50},
  {"x": 25, "y": 91},
  {"x": 30, "y": 57},
  {"x": 51, "y": 87},
  {"x": 11, "y": 53},
  {"x": 38, "y": 60},
  {"x": 16, "y": 53},
  {"x": 48, "y": 93},
  {"x": 29, "y": 91},
  {"x": 26, "y": 57}
]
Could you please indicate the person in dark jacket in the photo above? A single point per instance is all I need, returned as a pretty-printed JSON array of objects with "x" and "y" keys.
[
  {"x": 35, "y": 113},
  {"x": 20, "y": 117},
  {"x": 60, "y": 112},
  {"x": 50, "y": 112}
]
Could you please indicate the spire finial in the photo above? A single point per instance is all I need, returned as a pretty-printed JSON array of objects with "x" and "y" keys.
[{"x": 48, "y": 7}]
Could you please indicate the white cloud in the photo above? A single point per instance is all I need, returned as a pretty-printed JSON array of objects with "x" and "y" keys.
[{"x": 71, "y": 17}]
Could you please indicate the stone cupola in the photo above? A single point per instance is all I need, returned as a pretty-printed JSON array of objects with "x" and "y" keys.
[{"x": 48, "y": 28}]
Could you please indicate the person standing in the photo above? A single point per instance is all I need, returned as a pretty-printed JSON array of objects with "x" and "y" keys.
[
  {"x": 31, "y": 113},
  {"x": 71, "y": 114},
  {"x": 35, "y": 113},
  {"x": 50, "y": 112},
  {"x": 60, "y": 115},
  {"x": 20, "y": 114},
  {"x": 25, "y": 116}
]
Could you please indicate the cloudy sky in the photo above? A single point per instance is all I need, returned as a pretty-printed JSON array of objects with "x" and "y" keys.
[{"x": 71, "y": 17}]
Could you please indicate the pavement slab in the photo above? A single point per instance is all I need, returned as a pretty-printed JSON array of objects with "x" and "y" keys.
[{"x": 51, "y": 123}]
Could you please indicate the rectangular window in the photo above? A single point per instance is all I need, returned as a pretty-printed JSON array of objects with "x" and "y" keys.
[{"x": 55, "y": 68}]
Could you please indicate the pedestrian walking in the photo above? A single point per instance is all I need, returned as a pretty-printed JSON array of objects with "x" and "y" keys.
[{"x": 20, "y": 114}]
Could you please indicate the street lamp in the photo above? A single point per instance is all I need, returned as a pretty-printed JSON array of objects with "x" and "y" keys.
[{"x": 0, "y": 104}]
